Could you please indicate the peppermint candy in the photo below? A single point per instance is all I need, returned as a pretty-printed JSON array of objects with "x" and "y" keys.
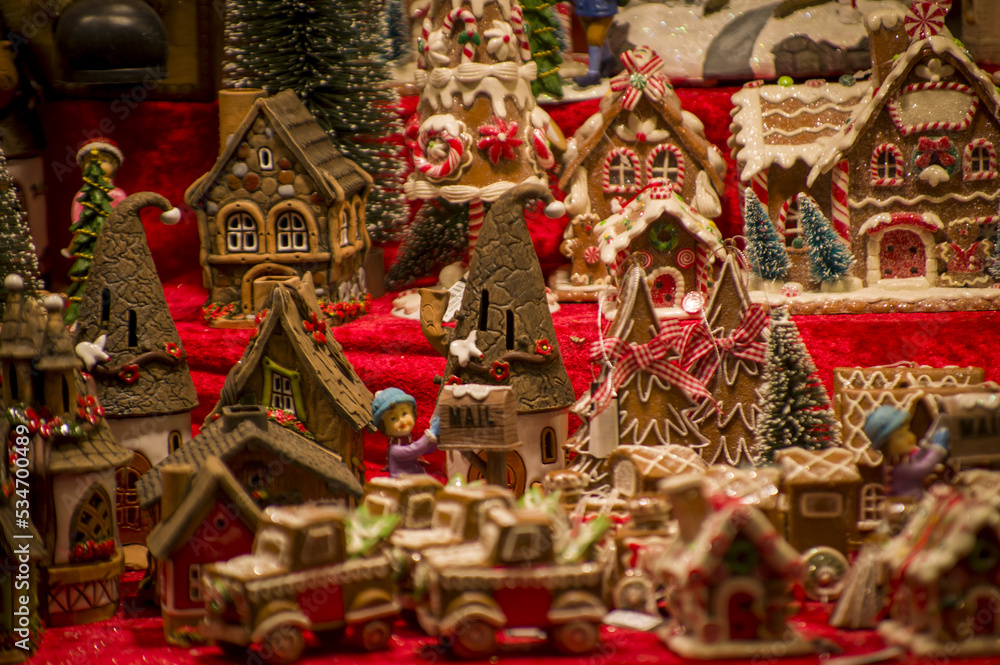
[{"x": 926, "y": 18}]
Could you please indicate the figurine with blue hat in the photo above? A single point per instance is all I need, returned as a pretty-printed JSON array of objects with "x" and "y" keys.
[
  {"x": 395, "y": 414},
  {"x": 888, "y": 428}
]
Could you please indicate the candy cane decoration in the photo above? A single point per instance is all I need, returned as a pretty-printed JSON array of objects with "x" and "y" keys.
[
  {"x": 476, "y": 215},
  {"x": 469, "y": 37},
  {"x": 841, "y": 217},
  {"x": 517, "y": 18},
  {"x": 759, "y": 185},
  {"x": 701, "y": 267},
  {"x": 541, "y": 145}
]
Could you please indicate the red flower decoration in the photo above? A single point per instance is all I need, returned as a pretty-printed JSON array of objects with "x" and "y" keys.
[
  {"x": 129, "y": 374},
  {"x": 46, "y": 427},
  {"x": 500, "y": 370},
  {"x": 173, "y": 349},
  {"x": 260, "y": 317},
  {"x": 453, "y": 381},
  {"x": 542, "y": 347},
  {"x": 90, "y": 410},
  {"x": 317, "y": 327},
  {"x": 33, "y": 422},
  {"x": 499, "y": 140}
]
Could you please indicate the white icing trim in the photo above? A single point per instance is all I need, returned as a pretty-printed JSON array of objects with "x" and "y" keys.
[
  {"x": 577, "y": 199},
  {"x": 477, "y": 6},
  {"x": 810, "y": 110},
  {"x": 882, "y": 203},
  {"x": 801, "y": 130},
  {"x": 883, "y": 217},
  {"x": 421, "y": 189},
  {"x": 499, "y": 82},
  {"x": 884, "y": 18},
  {"x": 680, "y": 288}
]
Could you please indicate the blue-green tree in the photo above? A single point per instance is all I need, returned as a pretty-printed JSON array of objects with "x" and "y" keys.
[
  {"x": 768, "y": 257},
  {"x": 829, "y": 256}
]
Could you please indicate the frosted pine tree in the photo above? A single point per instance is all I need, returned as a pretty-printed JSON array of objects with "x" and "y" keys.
[
  {"x": 335, "y": 55},
  {"x": 17, "y": 251},
  {"x": 437, "y": 237},
  {"x": 829, "y": 257},
  {"x": 993, "y": 269},
  {"x": 768, "y": 257},
  {"x": 794, "y": 407},
  {"x": 546, "y": 36}
]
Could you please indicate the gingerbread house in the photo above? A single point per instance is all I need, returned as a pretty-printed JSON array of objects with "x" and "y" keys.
[
  {"x": 679, "y": 249},
  {"x": 732, "y": 575},
  {"x": 280, "y": 201},
  {"x": 72, "y": 457},
  {"x": 144, "y": 385},
  {"x": 636, "y": 470},
  {"x": 205, "y": 517},
  {"x": 294, "y": 366},
  {"x": 639, "y": 136},
  {"x": 916, "y": 164},
  {"x": 943, "y": 571},
  {"x": 272, "y": 457}
]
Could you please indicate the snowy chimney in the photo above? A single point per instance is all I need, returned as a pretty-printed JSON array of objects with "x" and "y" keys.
[
  {"x": 887, "y": 38},
  {"x": 175, "y": 480},
  {"x": 234, "y": 104},
  {"x": 688, "y": 503}
]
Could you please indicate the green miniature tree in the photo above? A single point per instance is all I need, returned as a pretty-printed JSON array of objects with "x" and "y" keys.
[
  {"x": 993, "y": 269},
  {"x": 17, "y": 251},
  {"x": 438, "y": 236},
  {"x": 546, "y": 35},
  {"x": 794, "y": 407},
  {"x": 768, "y": 257},
  {"x": 829, "y": 257},
  {"x": 365, "y": 531},
  {"x": 96, "y": 202}
]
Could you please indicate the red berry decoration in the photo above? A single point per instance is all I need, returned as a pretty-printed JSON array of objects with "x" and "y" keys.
[
  {"x": 500, "y": 370},
  {"x": 542, "y": 347}
]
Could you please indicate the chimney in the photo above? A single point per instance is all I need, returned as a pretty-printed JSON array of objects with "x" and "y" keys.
[
  {"x": 688, "y": 504},
  {"x": 232, "y": 416},
  {"x": 54, "y": 326},
  {"x": 887, "y": 38},
  {"x": 15, "y": 301},
  {"x": 175, "y": 480},
  {"x": 234, "y": 104}
]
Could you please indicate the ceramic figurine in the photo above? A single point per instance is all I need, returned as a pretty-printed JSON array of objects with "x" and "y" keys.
[
  {"x": 477, "y": 131},
  {"x": 504, "y": 336},
  {"x": 280, "y": 201},
  {"x": 143, "y": 381},
  {"x": 294, "y": 368},
  {"x": 272, "y": 455},
  {"x": 596, "y": 17},
  {"x": 946, "y": 554},
  {"x": 411, "y": 496},
  {"x": 45, "y": 394},
  {"x": 888, "y": 429},
  {"x": 640, "y": 135},
  {"x": 906, "y": 166},
  {"x": 205, "y": 517},
  {"x": 394, "y": 413},
  {"x": 729, "y": 575},
  {"x": 516, "y": 575},
  {"x": 108, "y": 156},
  {"x": 302, "y": 575}
]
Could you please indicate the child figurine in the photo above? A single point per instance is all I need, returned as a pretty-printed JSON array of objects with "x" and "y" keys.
[
  {"x": 395, "y": 413},
  {"x": 596, "y": 17},
  {"x": 888, "y": 428}
]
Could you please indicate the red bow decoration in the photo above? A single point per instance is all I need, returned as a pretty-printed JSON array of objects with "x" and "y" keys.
[
  {"x": 929, "y": 147},
  {"x": 641, "y": 77},
  {"x": 702, "y": 353},
  {"x": 650, "y": 358}
]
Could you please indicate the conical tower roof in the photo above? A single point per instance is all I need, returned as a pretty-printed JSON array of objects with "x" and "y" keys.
[
  {"x": 504, "y": 305},
  {"x": 147, "y": 373}
]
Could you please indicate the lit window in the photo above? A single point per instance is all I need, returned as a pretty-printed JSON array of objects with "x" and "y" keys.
[
  {"x": 980, "y": 161},
  {"x": 282, "y": 396},
  {"x": 886, "y": 166},
  {"x": 822, "y": 504},
  {"x": 241, "y": 232}
]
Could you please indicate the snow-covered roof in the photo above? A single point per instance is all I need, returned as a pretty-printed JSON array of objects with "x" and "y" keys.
[
  {"x": 812, "y": 467},
  {"x": 663, "y": 461},
  {"x": 616, "y": 232},
  {"x": 760, "y": 135},
  {"x": 865, "y": 114}
]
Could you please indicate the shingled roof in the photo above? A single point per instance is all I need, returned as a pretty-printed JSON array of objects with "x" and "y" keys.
[
  {"x": 336, "y": 177},
  {"x": 124, "y": 267},
  {"x": 324, "y": 364},
  {"x": 225, "y": 439},
  {"x": 213, "y": 478}
]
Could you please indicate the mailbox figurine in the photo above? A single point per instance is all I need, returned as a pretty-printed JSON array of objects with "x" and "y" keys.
[{"x": 395, "y": 413}]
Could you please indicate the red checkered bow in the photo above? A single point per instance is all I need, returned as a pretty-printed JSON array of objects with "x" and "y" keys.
[
  {"x": 650, "y": 358},
  {"x": 641, "y": 77},
  {"x": 701, "y": 353}
]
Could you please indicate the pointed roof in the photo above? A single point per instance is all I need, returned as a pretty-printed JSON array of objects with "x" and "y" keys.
[
  {"x": 213, "y": 479},
  {"x": 21, "y": 332},
  {"x": 336, "y": 177},
  {"x": 685, "y": 125},
  {"x": 123, "y": 266},
  {"x": 729, "y": 298},
  {"x": 505, "y": 268},
  {"x": 324, "y": 365},
  {"x": 248, "y": 427},
  {"x": 616, "y": 232},
  {"x": 865, "y": 114}
]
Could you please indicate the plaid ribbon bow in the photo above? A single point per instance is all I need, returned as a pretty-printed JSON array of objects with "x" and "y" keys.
[
  {"x": 650, "y": 358},
  {"x": 641, "y": 77},
  {"x": 701, "y": 352}
]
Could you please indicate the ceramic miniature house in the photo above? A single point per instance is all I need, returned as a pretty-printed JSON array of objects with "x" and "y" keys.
[
  {"x": 679, "y": 249},
  {"x": 72, "y": 460},
  {"x": 640, "y": 135},
  {"x": 942, "y": 574},
  {"x": 280, "y": 201},
  {"x": 293, "y": 367},
  {"x": 272, "y": 458},
  {"x": 144, "y": 386},
  {"x": 204, "y": 518},
  {"x": 733, "y": 574}
]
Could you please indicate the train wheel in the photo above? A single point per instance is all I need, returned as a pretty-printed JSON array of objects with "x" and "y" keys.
[{"x": 823, "y": 573}]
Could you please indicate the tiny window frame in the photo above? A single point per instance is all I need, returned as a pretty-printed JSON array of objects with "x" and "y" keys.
[
  {"x": 270, "y": 369},
  {"x": 808, "y": 508},
  {"x": 194, "y": 583},
  {"x": 677, "y": 183},
  {"x": 969, "y": 159},
  {"x": 628, "y": 161},
  {"x": 547, "y": 458},
  {"x": 884, "y": 180},
  {"x": 266, "y": 159}
]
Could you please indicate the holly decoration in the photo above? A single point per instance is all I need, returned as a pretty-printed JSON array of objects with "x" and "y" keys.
[
  {"x": 288, "y": 420},
  {"x": 317, "y": 327},
  {"x": 96, "y": 201}
]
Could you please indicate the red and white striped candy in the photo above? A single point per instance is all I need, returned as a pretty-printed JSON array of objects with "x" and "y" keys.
[
  {"x": 926, "y": 18},
  {"x": 469, "y": 27}
]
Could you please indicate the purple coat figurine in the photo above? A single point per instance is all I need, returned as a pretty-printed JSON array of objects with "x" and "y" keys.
[
  {"x": 888, "y": 428},
  {"x": 394, "y": 412}
]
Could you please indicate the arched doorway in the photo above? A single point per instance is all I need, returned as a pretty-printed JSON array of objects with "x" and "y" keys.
[
  {"x": 516, "y": 472},
  {"x": 902, "y": 255},
  {"x": 259, "y": 272},
  {"x": 132, "y": 528},
  {"x": 666, "y": 287}
]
